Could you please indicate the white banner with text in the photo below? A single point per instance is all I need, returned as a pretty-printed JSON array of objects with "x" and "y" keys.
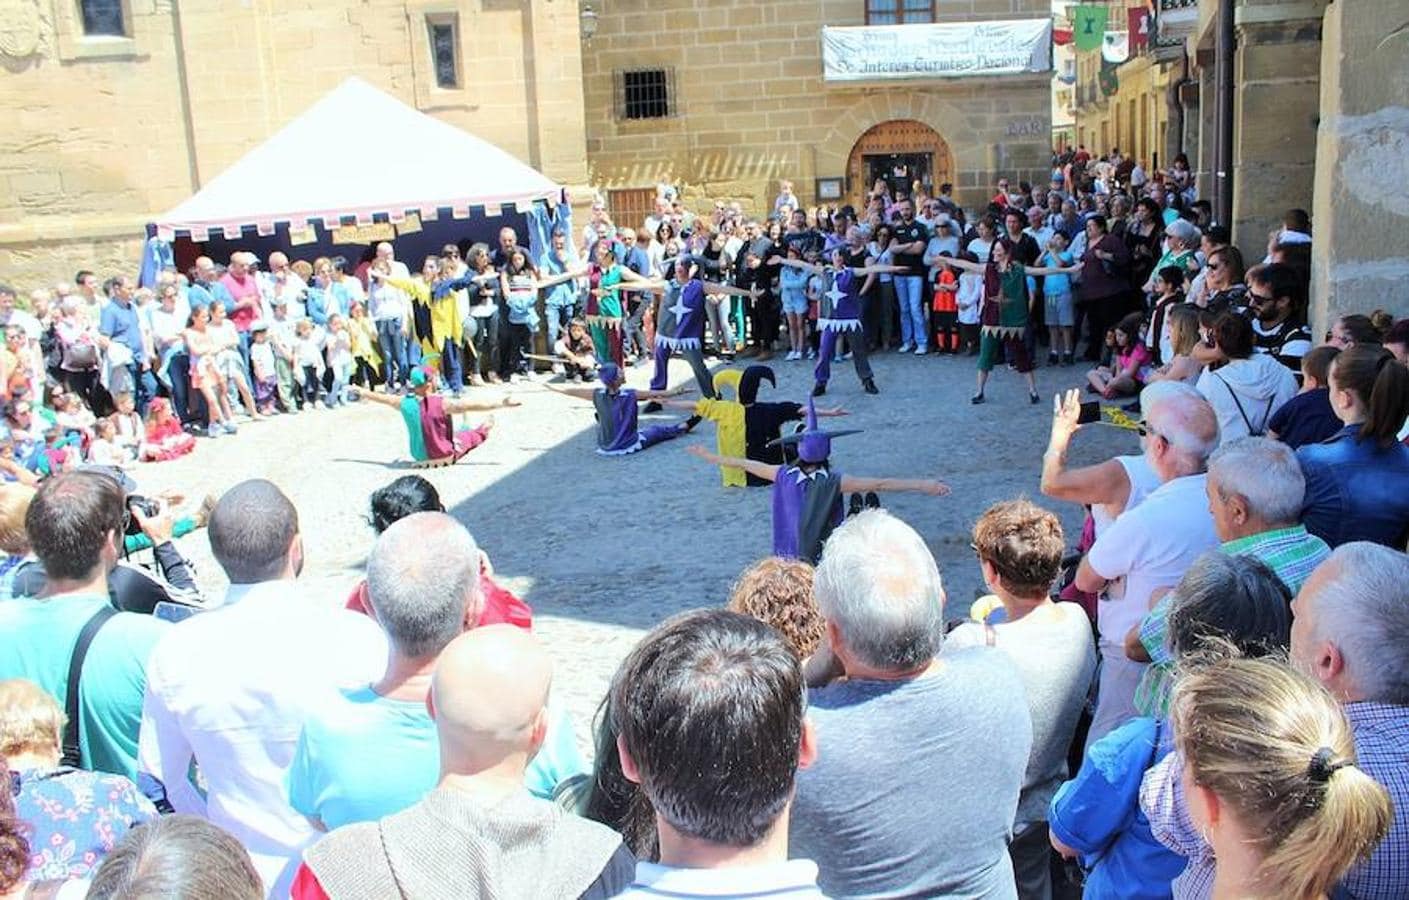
[{"x": 876, "y": 52}]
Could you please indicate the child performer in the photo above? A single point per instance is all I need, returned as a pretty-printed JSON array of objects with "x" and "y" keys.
[
  {"x": 842, "y": 314},
  {"x": 1005, "y": 312},
  {"x": 807, "y": 496},
  {"x": 430, "y": 427},
  {"x": 747, "y": 427},
  {"x": 617, "y": 430}
]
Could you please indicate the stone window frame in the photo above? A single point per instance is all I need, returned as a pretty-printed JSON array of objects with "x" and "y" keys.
[
  {"x": 75, "y": 46},
  {"x": 434, "y": 20},
  {"x": 428, "y": 93},
  {"x": 902, "y": 13}
]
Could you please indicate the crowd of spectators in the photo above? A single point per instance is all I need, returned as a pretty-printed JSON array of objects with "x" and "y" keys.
[{"x": 1204, "y": 694}]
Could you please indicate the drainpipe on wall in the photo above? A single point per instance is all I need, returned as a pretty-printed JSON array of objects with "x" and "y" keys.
[
  {"x": 1224, "y": 45},
  {"x": 184, "y": 79}
]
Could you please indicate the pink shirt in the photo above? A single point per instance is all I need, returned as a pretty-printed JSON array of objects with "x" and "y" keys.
[{"x": 241, "y": 290}]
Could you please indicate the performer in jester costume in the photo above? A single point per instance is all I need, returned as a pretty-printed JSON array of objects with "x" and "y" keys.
[
  {"x": 745, "y": 426},
  {"x": 807, "y": 495},
  {"x": 680, "y": 322},
  {"x": 1004, "y": 313},
  {"x": 841, "y": 312},
  {"x": 618, "y": 431},
  {"x": 430, "y": 427}
]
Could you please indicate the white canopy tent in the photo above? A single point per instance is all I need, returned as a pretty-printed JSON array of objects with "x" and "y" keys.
[{"x": 402, "y": 161}]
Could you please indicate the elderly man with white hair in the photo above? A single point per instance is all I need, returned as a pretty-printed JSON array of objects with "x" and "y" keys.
[
  {"x": 916, "y": 792},
  {"x": 1350, "y": 627},
  {"x": 1149, "y": 547},
  {"x": 387, "y": 253},
  {"x": 1255, "y": 489}
]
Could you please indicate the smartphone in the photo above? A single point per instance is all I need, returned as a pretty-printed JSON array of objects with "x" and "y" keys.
[{"x": 1090, "y": 412}]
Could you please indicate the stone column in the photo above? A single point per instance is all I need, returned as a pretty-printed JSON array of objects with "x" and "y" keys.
[
  {"x": 1206, "y": 127},
  {"x": 1360, "y": 255},
  {"x": 1277, "y": 72}
]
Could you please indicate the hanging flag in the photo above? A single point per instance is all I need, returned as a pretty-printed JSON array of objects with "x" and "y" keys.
[
  {"x": 1115, "y": 47},
  {"x": 1109, "y": 81},
  {"x": 1089, "y": 25},
  {"x": 1141, "y": 20}
]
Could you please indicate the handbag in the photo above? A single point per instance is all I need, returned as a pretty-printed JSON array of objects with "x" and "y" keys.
[{"x": 79, "y": 356}]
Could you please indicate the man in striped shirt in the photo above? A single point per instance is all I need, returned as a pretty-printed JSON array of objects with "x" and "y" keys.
[
  {"x": 1255, "y": 491},
  {"x": 710, "y": 710}
]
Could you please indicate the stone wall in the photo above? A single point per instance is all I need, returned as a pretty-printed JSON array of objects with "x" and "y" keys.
[
  {"x": 103, "y": 133},
  {"x": 751, "y": 107},
  {"x": 1360, "y": 255}
]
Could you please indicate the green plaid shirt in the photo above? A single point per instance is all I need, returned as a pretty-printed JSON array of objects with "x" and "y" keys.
[{"x": 1292, "y": 553}]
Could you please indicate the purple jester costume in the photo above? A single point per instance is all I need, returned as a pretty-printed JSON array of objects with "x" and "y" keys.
[
  {"x": 841, "y": 314},
  {"x": 618, "y": 432},
  {"x": 807, "y": 496}
]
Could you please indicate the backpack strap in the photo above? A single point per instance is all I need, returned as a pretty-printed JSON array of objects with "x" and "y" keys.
[
  {"x": 1239, "y": 405},
  {"x": 72, "y": 755}
]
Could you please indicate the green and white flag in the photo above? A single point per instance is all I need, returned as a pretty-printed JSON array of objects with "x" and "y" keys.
[{"x": 1088, "y": 24}]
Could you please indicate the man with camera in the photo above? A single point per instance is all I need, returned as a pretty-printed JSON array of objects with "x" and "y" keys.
[{"x": 68, "y": 638}]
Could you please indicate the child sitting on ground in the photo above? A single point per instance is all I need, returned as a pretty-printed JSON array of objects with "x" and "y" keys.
[
  {"x": 75, "y": 418},
  {"x": 576, "y": 351},
  {"x": 1131, "y": 366},
  {"x": 104, "y": 450},
  {"x": 131, "y": 431},
  {"x": 165, "y": 437}
]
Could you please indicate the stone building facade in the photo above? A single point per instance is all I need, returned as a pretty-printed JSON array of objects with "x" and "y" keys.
[
  {"x": 104, "y": 130},
  {"x": 750, "y": 105},
  {"x": 119, "y": 109}
]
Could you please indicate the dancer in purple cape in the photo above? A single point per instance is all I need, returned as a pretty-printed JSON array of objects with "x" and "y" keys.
[
  {"x": 618, "y": 429},
  {"x": 840, "y": 314},
  {"x": 807, "y": 495}
]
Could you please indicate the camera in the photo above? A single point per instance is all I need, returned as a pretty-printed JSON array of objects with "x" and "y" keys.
[{"x": 146, "y": 506}]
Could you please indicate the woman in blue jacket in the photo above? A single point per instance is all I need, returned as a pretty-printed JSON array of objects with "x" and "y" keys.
[{"x": 1357, "y": 482}]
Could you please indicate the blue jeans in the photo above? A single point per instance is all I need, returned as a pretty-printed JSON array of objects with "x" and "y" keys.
[
  {"x": 145, "y": 387},
  {"x": 558, "y": 318},
  {"x": 909, "y": 294},
  {"x": 393, "y": 346},
  {"x": 450, "y": 365}
]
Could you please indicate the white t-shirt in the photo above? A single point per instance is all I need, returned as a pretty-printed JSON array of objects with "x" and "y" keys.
[
  {"x": 1143, "y": 482},
  {"x": 1148, "y": 548}
]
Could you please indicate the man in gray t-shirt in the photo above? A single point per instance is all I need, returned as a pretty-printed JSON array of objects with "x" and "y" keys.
[{"x": 915, "y": 792}]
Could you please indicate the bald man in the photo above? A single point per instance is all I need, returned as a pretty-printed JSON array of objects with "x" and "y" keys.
[
  {"x": 206, "y": 287},
  {"x": 479, "y": 832},
  {"x": 387, "y": 253},
  {"x": 371, "y": 751}
]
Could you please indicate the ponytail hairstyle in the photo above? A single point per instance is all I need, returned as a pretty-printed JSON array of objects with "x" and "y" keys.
[
  {"x": 1380, "y": 383},
  {"x": 1275, "y": 748}
]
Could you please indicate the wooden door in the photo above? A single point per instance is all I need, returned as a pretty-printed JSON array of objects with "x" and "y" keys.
[{"x": 898, "y": 136}]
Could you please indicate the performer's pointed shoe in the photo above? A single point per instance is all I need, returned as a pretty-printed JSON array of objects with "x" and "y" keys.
[{"x": 819, "y": 389}]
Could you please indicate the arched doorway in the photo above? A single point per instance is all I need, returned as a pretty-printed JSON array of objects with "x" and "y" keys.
[{"x": 901, "y": 151}]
